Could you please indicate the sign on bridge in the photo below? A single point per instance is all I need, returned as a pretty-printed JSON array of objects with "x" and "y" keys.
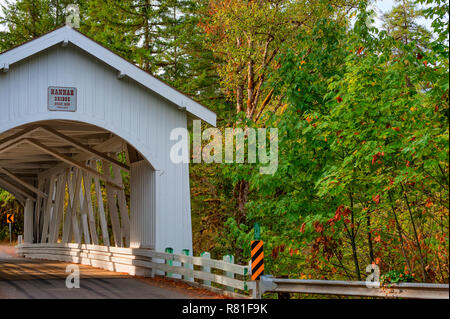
[{"x": 62, "y": 99}]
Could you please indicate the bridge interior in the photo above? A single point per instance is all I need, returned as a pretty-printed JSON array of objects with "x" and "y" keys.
[{"x": 69, "y": 176}]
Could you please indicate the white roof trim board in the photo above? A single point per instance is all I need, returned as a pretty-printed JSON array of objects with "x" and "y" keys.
[{"x": 66, "y": 34}]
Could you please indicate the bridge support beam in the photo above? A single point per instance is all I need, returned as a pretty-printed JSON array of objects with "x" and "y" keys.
[
  {"x": 28, "y": 221},
  {"x": 143, "y": 205}
]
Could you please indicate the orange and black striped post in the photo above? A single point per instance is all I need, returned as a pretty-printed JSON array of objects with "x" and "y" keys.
[{"x": 257, "y": 259}]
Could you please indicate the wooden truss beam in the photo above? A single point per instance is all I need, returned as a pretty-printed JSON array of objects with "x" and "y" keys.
[
  {"x": 21, "y": 182},
  {"x": 68, "y": 160},
  {"x": 82, "y": 157},
  {"x": 6, "y": 142},
  {"x": 85, "y": 149},
  {"x": 17, "y": 192},
  {"x": 12, "y": 145}
]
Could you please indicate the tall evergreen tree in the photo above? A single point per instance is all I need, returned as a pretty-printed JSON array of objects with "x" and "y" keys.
[
  {"x": 401, "y": 23},
  {"x": 162, "y": 37},
  {"x": 28, "y": 19}
]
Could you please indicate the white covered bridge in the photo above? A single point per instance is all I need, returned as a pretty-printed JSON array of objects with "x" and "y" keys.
[{"x": 76, "y": 120}]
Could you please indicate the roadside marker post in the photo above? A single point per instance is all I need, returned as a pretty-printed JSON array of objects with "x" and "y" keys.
[
  {"x": 257, "y": 259},
  {"x": 257, "y": 256},
  {"x": 10, "y": 220}
]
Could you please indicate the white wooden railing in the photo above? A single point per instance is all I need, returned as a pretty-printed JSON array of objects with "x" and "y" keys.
[{"x": 216, "y": 275}]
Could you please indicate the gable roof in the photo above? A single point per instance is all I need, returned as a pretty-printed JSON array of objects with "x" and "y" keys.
[{"x": 66, "y": 34}]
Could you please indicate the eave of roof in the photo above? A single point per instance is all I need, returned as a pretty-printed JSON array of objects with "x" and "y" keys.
[{"x": 66, "y": 34}]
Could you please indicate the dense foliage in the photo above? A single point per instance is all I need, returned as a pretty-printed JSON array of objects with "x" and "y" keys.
[{"x": 362, "y": 117}]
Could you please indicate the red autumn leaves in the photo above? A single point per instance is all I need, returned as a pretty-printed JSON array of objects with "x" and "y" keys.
[
  {"x": 309, "y": 121},
  {"x": 376, "y": 156},
  {"x": 376, "y": 199},
  {"x": 341, "y": 212},
  {"x": 397, "y": 129},
  {"x": 281, "y": 248},
  {"x": 318, "y": 227},
  {"x": 420, "y": 57}
]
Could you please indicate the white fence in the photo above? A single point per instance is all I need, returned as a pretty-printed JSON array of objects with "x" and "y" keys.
[{"x": 216, "y": 275}]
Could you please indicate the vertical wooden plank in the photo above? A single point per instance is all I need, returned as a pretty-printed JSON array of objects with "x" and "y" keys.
[
  {"x": 112, "y": 205},
  {"x": 48, "y": 209},
  {"x": 67, "y": 228},
  {"x": 83, "y": 209},
  {"x": 142, "y": 205},
  {"x": 37, "y": 212},
  {"x": 168, "y": 250},
  {"x": 187, "y": 265},
  {"x": 28, "y": 221},
  {"x": 229, "y": 259},
  {"x": 70, "y": 181},
  {"x": 87, "y": 180},
  {"x": 75, "y": 207},
  {"x": 71, "y": 226},
  {"x": 52, "y": 220},
  {"x": 58, "y": 210},
  {"x": 206, "y": 255},
  {"x": 101, "y": 208},
  {"x": 124, "y": 217}
]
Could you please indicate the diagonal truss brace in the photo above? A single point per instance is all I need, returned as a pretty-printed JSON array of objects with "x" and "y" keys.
[
  {"x": 85, "y": 149},
  {"x": 21, "y": 182}
]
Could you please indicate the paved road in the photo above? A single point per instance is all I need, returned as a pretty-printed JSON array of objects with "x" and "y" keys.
[{"x": 37, "y": 279}]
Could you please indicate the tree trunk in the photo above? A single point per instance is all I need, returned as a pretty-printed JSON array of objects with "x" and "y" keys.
[
  {"x": 416, "y": 237},
  {"x": 369, "y": 239},
  {"x": 399, "y": 230},
  {"x": 353, "y": 241},
  {"x": 242, "y": 192}
]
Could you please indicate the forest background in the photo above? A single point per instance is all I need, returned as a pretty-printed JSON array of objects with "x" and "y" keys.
[{"x": 361, "y": 109}]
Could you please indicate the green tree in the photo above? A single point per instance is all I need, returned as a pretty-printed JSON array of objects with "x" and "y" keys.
[
  {"x": 401, "y": 23},
  {"x": 28, "y": 19},
  {"x": 9, "y": 205},
  {"x": 363, "y": 173}
]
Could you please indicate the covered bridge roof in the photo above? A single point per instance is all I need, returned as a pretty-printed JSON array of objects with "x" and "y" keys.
[{"x": 66, "y": 34}]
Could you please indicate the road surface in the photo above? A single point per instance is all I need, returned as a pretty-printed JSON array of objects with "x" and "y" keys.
[{"x": 22, "y": 278}]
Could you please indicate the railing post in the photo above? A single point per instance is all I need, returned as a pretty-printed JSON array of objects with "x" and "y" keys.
[
  {"x": 257, "y": 292},
  {"x": 168, "y": 250},
  {"x": 284, "y": 295},
  {"x": 186, "y": 265},
  {"x": 207, "y": 269},
  {"x": 229, "y": 259}
]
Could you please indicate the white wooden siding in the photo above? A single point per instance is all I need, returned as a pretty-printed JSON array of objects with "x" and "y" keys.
[
  {"x": 142, "y": 202},
  {"x": 129, "y": 110}
]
